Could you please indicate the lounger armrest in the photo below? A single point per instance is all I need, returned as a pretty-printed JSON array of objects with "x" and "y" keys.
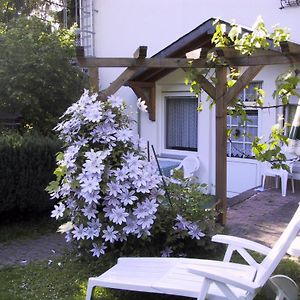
[
  {"x": 230, "y": 279},
  {"x": 240, "y": 243}
]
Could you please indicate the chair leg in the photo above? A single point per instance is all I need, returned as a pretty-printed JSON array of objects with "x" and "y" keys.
[
  {"x": 293, "y": 185},
  {"x": 89, "y": 292},
  {"x": 263, "y": 181},
  {"x": 284, "y": 178}
]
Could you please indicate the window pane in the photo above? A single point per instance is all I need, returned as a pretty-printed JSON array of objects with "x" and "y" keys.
[
  {"x": 243, "y": 135},
  {"x": 181, "y": 123},
  {"x": 250, "y": 93},
  {"x": 237, "y": 149}
]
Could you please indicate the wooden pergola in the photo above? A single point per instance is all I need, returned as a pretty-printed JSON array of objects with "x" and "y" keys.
[{"x": 142, "y": 73}]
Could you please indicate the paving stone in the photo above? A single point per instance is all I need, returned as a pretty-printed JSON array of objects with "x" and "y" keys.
[{"x": 258, "y": 216}]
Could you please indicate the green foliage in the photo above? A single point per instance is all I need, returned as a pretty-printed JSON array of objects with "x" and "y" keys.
[
  {"x": 247, "y": 43},
  {"x": 10, "y": 9},
  {"x": 36, "y": 76},
  {"x": 26, "y": 166},
  {"x": 186, "y": 199}
]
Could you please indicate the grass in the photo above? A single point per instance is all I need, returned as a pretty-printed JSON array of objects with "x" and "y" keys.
[
  {"x": 66, "y": 279},
  {"x": 26, "y": 229}
]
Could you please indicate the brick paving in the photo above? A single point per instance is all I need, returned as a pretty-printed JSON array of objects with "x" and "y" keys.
[{"x": 259, "y": 216}]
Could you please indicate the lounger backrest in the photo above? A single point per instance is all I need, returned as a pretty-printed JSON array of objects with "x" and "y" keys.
[{"x": 280, "y": 248}]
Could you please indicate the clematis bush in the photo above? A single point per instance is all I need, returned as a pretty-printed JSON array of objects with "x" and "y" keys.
[{"x": 109, "y": 194}]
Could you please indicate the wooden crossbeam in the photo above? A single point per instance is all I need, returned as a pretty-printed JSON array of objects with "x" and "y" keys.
[
  {"x": 140, "y": 52},
  {"x": 264, "y": 60},
  {"x": 116, "y": 62},
  {"x": 241, "y": 83},
  {"x": 146, "y": 91},
  {"x": 117, "y": 84},
  {"x": 289, "y": 48},
  {"x": 173, "y": 63},
  {"x": 207, "y": 86}
]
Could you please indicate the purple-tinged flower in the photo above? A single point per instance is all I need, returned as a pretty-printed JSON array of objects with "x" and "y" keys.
[
  {"x": 128, "y": 197},
  {"x": 79, "y": 232},
  {"x": 89, "y": 211},
  {"x": 131, "y": 225},
  {"x": 58, "y": 211},
  {"x": 195, "y": 232},
  {"x": 115, "y": 101},
  {"x": 166, "y": 252},
  {"x": 98, "y": 250},
  {"x": 110, "y": 234},
  {"x": 91, "y": 233},
  {"x": 118, "y": 215}
]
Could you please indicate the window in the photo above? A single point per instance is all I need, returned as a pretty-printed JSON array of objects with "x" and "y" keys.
[
  {"x": 249, "y": 94},
  {"x": 290, "y": 111},
  {"x": 244, "y": 132},
  {"x": 181, "y": 123}
]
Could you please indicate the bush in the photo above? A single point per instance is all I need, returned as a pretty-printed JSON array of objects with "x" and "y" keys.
[
  {"x": 112, "y": 196},
  {"x": 26, "y": 166},
  {"x": 37, "y": 79}
]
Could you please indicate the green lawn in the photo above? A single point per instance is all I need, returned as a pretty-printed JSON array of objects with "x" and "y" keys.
[
  {"x": 26, "y": 229},
  {"x": 66, "y": 279}
]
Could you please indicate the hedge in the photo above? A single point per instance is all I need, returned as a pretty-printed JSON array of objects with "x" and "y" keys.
[{"x": 26, "y": 167}]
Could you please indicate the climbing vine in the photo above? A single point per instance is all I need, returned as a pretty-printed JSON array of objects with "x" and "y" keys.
[{"x": 247, "y": 43}]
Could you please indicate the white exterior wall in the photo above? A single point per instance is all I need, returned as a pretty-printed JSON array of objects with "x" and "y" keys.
[{"x": 121, "y": 26}]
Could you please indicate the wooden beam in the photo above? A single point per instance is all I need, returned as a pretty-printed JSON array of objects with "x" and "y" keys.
[
  {"x": 207, "y": 86},
  {"x": 172, "y": 63},
  {"x": 117, "y": 84},
  {"x": 289, "y": 48},
  {"x": 221, "y": 142},
  {"x": 147, "y": 93},
  {"x": 140, "y": 83},
  {"x": 241, "y": 83},
  {"x": 264, "y": 60},
  {"x": 94, "y": 79},
  {"x": 140, "y": 52}
]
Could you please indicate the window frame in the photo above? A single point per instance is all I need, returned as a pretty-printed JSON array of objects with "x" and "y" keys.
[
  {"x": 249, "y": 107},
  {"x": 164, "y": 151}
]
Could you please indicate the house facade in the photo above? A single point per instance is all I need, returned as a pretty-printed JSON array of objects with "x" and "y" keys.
[{"x": 117, "y": 28}]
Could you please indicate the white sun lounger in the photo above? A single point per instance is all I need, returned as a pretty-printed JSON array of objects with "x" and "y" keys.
[{"x": 198, "y": 278}]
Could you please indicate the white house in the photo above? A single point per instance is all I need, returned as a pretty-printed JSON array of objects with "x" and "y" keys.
[{"x": 112, "y": 28}]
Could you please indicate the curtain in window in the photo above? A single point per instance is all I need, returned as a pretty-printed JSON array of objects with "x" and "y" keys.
[{"x": 181, "y": 123}]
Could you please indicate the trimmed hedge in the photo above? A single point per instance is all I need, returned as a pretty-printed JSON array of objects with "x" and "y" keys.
[{"x": 26, "y": 167}]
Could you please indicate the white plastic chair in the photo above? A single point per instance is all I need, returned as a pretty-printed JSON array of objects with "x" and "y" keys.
[
  {"x": 283, "y": 287},
  {"x": 198, "y": 278},
  {"x": 283, "y": 174},
  {"x": 190, "y": 165}
]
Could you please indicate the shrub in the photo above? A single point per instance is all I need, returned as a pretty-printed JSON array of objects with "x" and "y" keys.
[
  {"x": 26, "y": 166},
  {"x": 37, "y": 79},
  {"x": 111, "y": 195}
]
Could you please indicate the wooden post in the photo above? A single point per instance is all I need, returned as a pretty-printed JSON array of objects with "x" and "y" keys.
[
  {"x": 221, "y": 142},
  {"x": 94, "y": 79}
]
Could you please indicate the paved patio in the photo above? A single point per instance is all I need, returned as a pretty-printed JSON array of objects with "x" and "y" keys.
[
  {"x": 262, "y": 216},
  {"x": 259, "y": 216}
]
